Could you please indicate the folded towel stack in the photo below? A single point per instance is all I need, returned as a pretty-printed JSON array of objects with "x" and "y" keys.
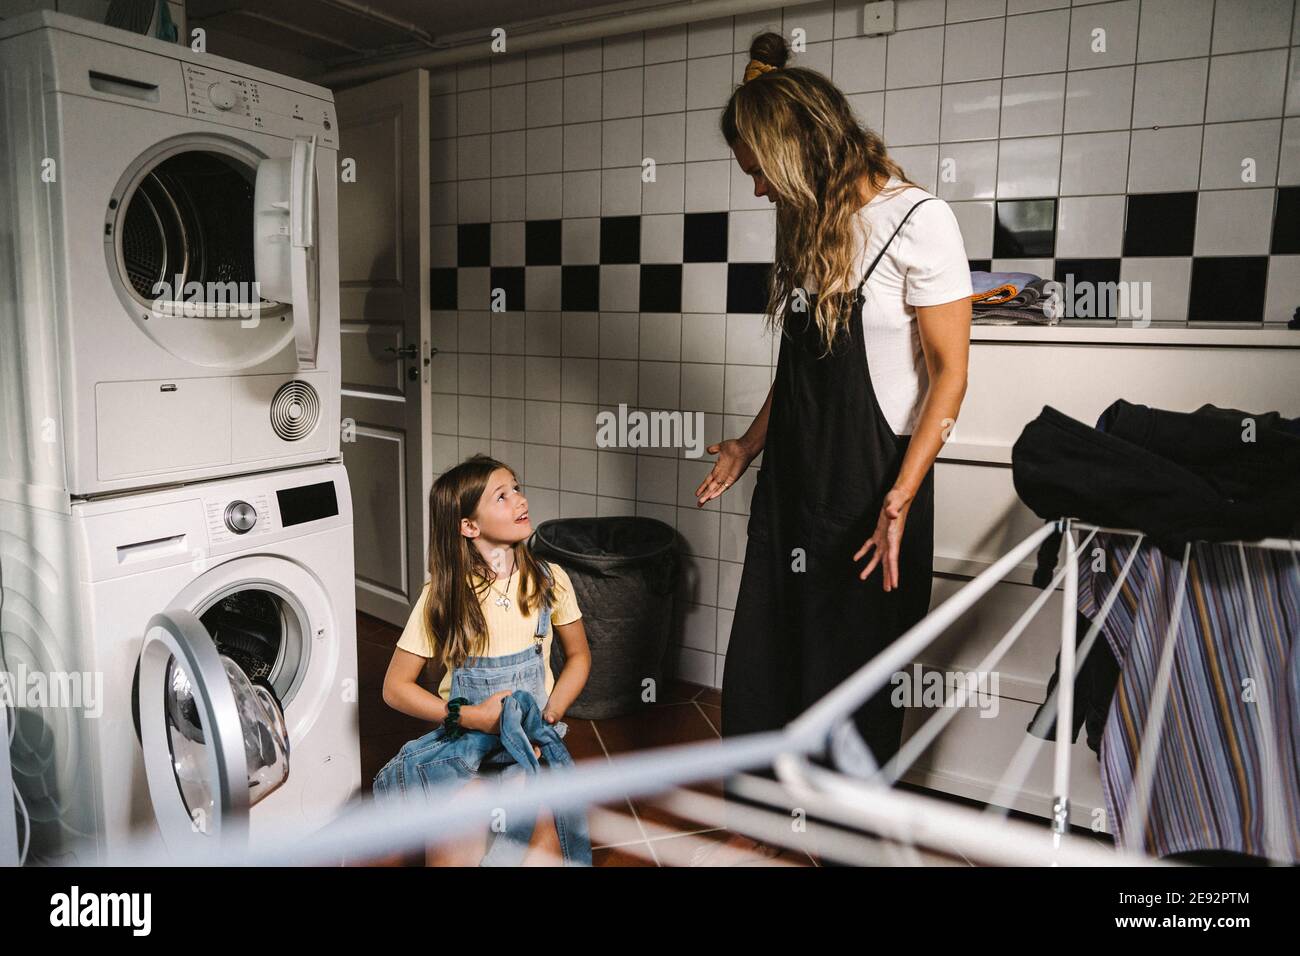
[{"x": 1008, "y": 298}]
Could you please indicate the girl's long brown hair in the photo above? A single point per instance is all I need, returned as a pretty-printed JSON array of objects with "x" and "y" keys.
[
  {"x": 814, "y": 153},
  {"x": 458, "y": 573}
]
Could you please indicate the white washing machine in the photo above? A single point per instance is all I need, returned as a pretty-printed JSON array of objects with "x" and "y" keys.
[
  {"x": 159, "y": 594},
  {"x": 169, "y": 301}
]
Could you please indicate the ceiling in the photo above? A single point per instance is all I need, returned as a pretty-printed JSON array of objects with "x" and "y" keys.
[{"x": 339, "y": 32}]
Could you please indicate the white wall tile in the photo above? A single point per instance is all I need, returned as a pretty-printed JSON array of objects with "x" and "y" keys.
[
  {"x": 1164, "y": 160},
  {"x": 912, "y": 116},
  {"x": 1250, "y": 24},
  {"x": 1246, "y": 86},
  {"x": 1103, "y": 34},
  {"x": 1033, "y": 105},
  {"x": 1174, "y": 28},
  {"x": 1090, "y": 226},
  {"x": 622, "y": 92},
  {"x": 858, "y": 64},
  {"x": 1098, "y": 99},
  {"x": 1094, "y": 163},
  {"x": 914, "y": 58},
  {"x": 1231, "y": 152},
  {"x": 968, "y": 170},
  {"x": 970, "y": 110},
  {"x": 973, "y": 51},
  {"x": 1233, "y": 222},
  {"x": 1036, "y": 43}
]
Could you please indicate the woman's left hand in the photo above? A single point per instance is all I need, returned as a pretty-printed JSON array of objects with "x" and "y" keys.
[{"x": 887, "y": 537}]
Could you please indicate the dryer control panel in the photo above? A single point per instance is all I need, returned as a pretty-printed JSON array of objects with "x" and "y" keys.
[{"x": 249, "y": 104}]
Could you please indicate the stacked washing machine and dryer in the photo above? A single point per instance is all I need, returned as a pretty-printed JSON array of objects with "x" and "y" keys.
[{"x": 176, "y": 567}]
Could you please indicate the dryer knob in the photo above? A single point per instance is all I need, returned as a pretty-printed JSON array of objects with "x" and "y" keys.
[
  {"x": 240, "y": 517},
  {"x": 222, "y": 96}
]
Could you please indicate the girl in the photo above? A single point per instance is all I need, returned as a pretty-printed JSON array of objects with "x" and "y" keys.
[
  {"x": 476, "y": 625},
  {"x": 871, "y": 375}
]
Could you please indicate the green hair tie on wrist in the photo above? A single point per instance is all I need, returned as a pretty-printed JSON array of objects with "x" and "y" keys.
[{"x": 451, "y": 723}]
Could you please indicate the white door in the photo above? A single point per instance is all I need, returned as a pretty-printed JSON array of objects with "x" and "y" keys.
[
  {"x": 384, "y": 320},
  {"x": 285, "y": 253}
]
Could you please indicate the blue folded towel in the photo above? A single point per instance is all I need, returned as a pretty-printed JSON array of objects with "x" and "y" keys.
[{"x": 983, "y": 281}]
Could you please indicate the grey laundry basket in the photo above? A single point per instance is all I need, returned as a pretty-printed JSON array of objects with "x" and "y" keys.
[{"x": 624, "y": 574}]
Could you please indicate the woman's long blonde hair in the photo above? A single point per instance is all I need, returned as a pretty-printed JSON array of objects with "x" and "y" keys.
[
  {"x": 459, "y": 575},
  {"x": 814, "y": 153}
]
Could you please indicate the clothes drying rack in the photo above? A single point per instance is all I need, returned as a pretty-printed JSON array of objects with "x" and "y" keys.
[{"x": 871, "y": 821}]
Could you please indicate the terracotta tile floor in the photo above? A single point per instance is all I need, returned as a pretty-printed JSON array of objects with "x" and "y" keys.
[{"x": 644, "y": 834}]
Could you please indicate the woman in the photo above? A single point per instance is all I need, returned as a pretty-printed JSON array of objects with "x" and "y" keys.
[{"x": 869, "y": 382}]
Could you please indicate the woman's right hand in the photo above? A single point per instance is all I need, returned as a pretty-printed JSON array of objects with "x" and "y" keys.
[
  {"x": 733, "y": 458},
  {"x": 485, "y": 715}
]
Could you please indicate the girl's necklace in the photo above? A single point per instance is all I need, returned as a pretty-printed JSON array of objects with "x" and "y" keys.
[{"x": 503, "y": 601}]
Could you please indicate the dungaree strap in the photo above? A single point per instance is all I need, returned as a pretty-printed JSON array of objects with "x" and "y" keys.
[{"x": 866, "y": 275}]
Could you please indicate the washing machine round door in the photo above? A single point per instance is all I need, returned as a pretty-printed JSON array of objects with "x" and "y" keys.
[{"x": 213, "y": 743}]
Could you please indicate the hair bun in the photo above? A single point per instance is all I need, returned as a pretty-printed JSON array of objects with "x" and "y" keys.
[{"x": 769, "y": 48}]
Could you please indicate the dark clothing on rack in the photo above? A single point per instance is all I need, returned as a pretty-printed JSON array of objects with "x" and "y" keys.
[
  {"x": 804, "y": 621},
  {"x": 1186, "y": 480},
  {"x": 1094, "y": 686},
  {"x": 1216, "y": 474}
]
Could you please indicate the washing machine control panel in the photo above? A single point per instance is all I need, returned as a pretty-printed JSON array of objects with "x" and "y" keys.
[
  {"x": 241, "y": 517},
  {"x": 229, "y": 519},
  {"x": 250, "y": 104}
]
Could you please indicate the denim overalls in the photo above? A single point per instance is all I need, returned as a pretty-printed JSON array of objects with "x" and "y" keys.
[{"x": 432, "y": 761}]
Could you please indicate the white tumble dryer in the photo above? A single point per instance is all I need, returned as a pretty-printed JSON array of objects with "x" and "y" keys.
[
  {"x": 169, "y": 291},
  {"x": 153, "y": 610}
]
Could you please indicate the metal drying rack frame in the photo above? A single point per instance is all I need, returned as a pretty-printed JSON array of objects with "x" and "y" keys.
[{"x": 860, "y": 802}]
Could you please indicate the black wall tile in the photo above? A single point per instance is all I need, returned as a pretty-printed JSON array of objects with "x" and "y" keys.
[
  {"x": 747, "y": 286},
  {"x": 511, "y": 280},
  {"x": 620, "y": 240},
  {"x": 543, "y": 240},
  {"x": 1286, "y": 221},
  {"x": 980, "y": 265},
  {"x": 1024, "y": 228},
  {"x": 474, "y": 244},
  {"x": 1160, "y": 224},
  {"x": 1228, "y": 289},
  {"x": 442, "y": 288},
  {"x": 661, "y": 288},
  {"x": 580, "y": 288},
  {"x": 704, "y": 237},
  {"x": 1098, "y": 300}
]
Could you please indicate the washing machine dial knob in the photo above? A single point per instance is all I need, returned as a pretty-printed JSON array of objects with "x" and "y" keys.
[
  {"x": 240, "y": 517},
  {"x": 222, "y": 96}
]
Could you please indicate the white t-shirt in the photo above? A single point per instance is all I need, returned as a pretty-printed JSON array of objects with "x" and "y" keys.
[{"x": 925, "y": 265}]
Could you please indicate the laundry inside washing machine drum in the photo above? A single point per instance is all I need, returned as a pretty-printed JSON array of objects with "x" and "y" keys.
[
  {"x": 190, "y": 219},
  {"x": 247, "y": 627}
]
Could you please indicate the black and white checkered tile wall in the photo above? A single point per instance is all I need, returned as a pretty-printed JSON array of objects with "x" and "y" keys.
[
  {"x": 1133, "y": 140},
  {"x": 1158, "y": 236}
]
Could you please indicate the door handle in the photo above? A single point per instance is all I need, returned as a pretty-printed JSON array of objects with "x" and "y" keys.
[{"x": 406, "y": 351}]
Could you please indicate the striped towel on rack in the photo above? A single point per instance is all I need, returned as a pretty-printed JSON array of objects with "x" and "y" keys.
[{"x": 1227, "y": 773}]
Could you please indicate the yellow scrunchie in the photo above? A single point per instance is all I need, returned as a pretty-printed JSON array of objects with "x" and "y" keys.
[{"x": 756, "y": 68}]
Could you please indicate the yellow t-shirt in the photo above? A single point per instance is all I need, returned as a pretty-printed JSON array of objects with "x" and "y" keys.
[{"x": 509, "y": 630}]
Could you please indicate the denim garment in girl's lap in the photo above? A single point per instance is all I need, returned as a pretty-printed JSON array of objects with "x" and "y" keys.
[{"x": 435, "y": 760}]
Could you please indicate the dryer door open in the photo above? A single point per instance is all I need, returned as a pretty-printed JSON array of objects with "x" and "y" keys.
[
  {"x": 213, "y": 743},
  {"x": 285, "y": 240}
]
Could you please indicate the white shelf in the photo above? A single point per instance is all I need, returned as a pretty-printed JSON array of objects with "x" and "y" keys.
[{"x": 1252, "y": 337}]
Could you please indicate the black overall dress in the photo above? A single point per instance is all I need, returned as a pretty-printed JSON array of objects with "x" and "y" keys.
[{"x": 801, "y": 628}]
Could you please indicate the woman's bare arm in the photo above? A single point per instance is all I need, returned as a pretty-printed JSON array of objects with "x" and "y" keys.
[
  {"x": 755, "y": 436},
  {"x": 945, "y": 339}
]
